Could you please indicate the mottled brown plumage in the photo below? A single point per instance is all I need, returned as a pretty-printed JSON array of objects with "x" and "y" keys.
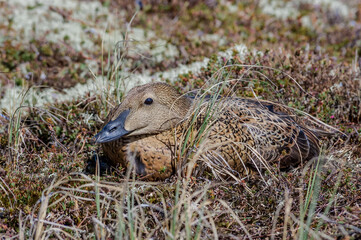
[{"x": 150, "y": 126}]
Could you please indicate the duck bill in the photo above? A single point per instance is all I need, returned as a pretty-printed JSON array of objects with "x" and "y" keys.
[{"x": 113, "y": 130}]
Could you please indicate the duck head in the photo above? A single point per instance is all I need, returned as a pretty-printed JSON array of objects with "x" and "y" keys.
[{"x": 146, "y": 109}]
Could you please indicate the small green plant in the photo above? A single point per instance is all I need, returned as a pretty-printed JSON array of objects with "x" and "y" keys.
[{"x": 16, "y": 114}]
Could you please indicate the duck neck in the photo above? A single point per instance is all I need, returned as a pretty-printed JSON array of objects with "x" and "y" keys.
[{"x": 180, "y": 106}]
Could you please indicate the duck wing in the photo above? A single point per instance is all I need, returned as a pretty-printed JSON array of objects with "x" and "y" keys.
[{"x": 277, "y": 137}]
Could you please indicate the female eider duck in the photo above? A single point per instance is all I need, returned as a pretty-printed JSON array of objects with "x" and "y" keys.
[{"x": 155, "y": 125}]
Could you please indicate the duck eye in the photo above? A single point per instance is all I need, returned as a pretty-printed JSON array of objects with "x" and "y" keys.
[{"x": 148, "y": 101}]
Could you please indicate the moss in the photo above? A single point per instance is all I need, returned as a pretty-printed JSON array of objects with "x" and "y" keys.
[{"x": 46, "y": 50}]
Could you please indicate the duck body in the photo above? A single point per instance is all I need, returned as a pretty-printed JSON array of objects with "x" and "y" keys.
[{"x": 230, "y": 135}]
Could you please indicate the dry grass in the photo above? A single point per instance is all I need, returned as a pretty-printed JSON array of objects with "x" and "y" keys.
[{"x": 78, "y": 206}]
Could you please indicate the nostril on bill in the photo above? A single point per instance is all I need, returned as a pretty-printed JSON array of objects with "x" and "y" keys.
[{"x": 112, "y": 129}]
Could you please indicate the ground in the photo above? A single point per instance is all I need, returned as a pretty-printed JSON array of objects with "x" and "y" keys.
[{"x": 64, "y": 65}]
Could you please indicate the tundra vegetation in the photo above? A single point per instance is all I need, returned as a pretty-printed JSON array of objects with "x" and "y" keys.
[{"x": 303, "y": 54}]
